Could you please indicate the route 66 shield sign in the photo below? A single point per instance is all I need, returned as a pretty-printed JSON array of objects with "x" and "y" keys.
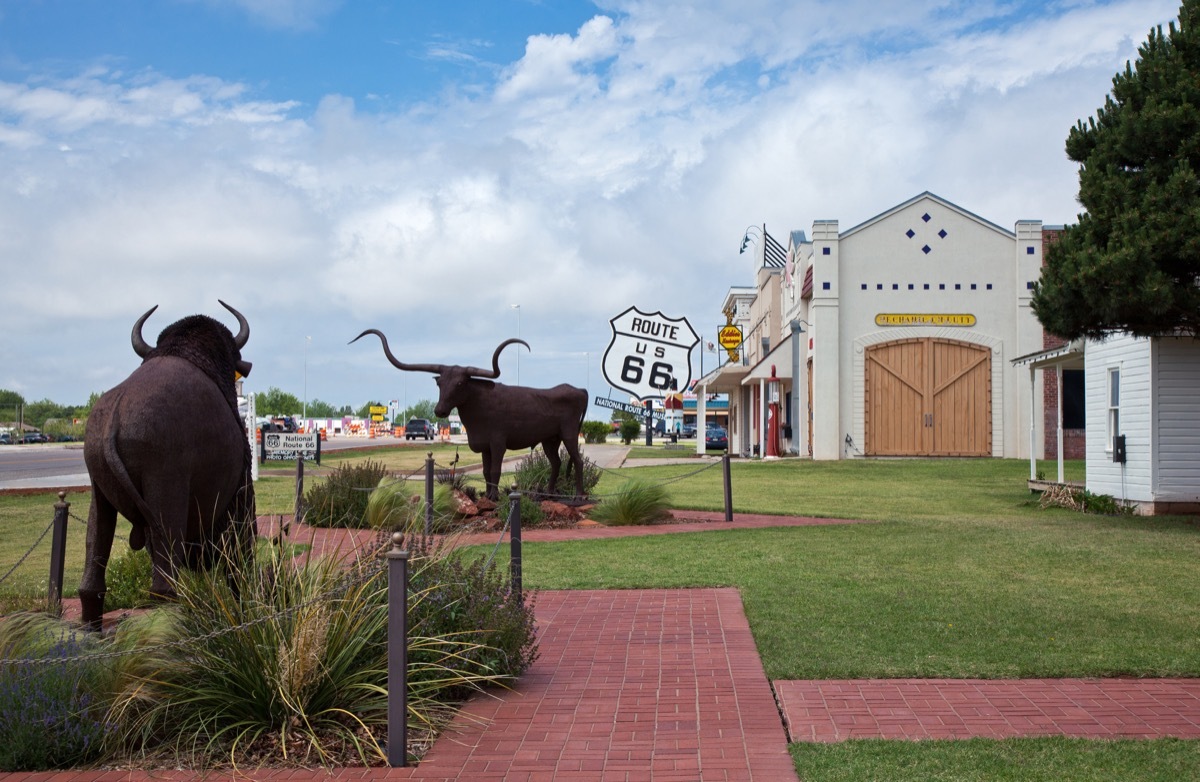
[{"x": 650, "y": 354}]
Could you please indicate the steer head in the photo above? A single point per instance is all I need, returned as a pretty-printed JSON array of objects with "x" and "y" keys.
[{"x": 451, "y": 379}]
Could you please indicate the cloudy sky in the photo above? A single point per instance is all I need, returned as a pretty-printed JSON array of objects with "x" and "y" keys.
[{"x": 421, "y": 167}]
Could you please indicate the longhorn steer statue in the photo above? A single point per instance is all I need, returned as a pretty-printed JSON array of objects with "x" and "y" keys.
[
  {"x": 499, "y": 418},
  {"x": 167, "y": 450}
]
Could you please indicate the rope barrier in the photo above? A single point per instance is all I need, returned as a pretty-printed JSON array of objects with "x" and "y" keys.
[
  {"x": 25, "y": 556},
  {"x": 344, "y": 584}
]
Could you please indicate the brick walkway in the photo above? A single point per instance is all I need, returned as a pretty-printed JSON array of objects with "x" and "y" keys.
[
  {"x": 630, "y": 685},
  {"x": 964, "y": 708}
]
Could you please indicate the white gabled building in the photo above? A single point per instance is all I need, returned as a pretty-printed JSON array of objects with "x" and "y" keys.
[
  {"x": 904, "y": 328},
  {"x": 1144, "y": 390}
]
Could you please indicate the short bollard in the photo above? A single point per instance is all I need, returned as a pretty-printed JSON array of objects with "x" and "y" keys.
[
  {"x": 299, "y": 512},
  {"x": 58, "y": 548},
  {"x": 514, "y": 559},
  {"x": 397, "y": 730},
  {"x": 429, "y": 494}
]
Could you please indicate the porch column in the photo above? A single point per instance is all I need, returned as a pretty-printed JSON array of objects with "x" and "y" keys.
[
  {"x": 701, "y": 417},
  {"x": 1058, "y": 373},
  {"x": 762, "y": 417},
  {"x": 1032, "y": 424}
]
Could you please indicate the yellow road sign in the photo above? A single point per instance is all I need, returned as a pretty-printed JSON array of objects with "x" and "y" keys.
[{"x": 730, "y": 337}]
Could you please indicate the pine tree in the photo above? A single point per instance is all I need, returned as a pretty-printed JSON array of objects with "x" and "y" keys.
[{"x": 1132, "y": 262}]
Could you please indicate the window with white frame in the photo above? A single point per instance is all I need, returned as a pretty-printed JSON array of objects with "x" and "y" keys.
[{"x": 1114, "y": 407}]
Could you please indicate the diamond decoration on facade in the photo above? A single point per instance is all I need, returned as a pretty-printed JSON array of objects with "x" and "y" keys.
[
  {"x": 910, "y": 233},
  {"x": 926, "y": 217},
  {"x": 942, "y": 233},
  {"x": 926, "y": 249}
]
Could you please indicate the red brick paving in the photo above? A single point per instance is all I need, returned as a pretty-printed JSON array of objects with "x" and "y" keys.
[
  {"x": 826, "y": 711},
  {"x": 630, "y": 685}
]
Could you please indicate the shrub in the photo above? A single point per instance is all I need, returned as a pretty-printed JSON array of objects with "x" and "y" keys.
[
  {"x": 341, "y": 499},
  {"x": 630, "y": 429},
  {"x": 596, "y": 431},
  {"x": 52, "y": 713},
  {"x": 531, "y": 510},
  {"x": 470, "y": 604},
  {"x": 635, "y": 503},
  {"x": 1084, "y": 501},
  {"x": 128, "y": 580},
  {"x": 533, "y": 474}
]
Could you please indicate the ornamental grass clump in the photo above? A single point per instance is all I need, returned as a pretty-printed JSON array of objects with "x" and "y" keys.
[
  {"x": 635, "y": 503},
  {"x": 399, "y": 506},
  {"x": 341, "y": 499},
  {"x": 286, "y": 662},
  {"x": 52, "y": 705}
]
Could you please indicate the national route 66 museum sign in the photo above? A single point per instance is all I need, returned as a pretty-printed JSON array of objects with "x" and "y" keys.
[{"x": 650, "y": 354}]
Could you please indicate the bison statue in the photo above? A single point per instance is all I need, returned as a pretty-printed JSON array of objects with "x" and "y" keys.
[
  {"x": 167, "y": 450},
  {"x": 500, "y": 418}
]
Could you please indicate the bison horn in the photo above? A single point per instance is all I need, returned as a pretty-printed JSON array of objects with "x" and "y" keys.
[
  {"x": 139, "y": 344},
  {"x": 436, "y": 369},
  {"x": 243, "y": 327},
  {"x": 495, "y": 370}
]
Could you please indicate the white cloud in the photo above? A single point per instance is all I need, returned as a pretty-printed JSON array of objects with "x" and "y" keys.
[{"x": 614, "y": 166}]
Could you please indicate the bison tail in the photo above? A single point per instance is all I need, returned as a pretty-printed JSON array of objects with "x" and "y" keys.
[{"x": 117, "y": 468}]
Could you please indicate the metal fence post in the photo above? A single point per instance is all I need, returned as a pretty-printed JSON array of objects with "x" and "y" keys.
[
  {"x": 299, "y": 514},
  {"x": 58, "y": 548},
  {"x": 514, "y": 542},
  {"x": 397, "y": 730},
  {"x": 429, "y": 494},
  {"x": 728, "y": 487}
]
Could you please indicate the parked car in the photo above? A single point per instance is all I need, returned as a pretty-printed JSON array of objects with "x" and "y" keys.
[
  {"x": 687, "y": 431},
  {"x": 419, "y": 427},
  {"x": 6, "y": 439},
  {"x": 715, "y": 437},
  {"x": 35, "y": 437}
]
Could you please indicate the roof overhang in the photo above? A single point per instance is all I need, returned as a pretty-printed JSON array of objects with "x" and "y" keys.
[
  {"x": 725, "y": 379},
  {"x": 1068, "y": 356},
  {"x": 780, "y": 357}
]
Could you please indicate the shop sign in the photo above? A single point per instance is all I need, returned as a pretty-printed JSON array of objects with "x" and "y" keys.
[{"x": 924, "y": 319}]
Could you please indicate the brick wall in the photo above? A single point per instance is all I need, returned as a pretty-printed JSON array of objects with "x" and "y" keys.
[{"x": 1074, "y": 441}]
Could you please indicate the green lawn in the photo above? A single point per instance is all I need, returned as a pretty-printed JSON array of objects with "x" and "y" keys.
[
  {"x": 962, "y": 575},
  {"x": 1011, "y": 760}
]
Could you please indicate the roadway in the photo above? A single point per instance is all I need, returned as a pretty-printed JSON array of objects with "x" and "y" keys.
[{"x": 60, "y": 465}]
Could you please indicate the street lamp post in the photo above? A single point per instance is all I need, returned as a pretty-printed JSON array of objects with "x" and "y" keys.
[
  {"x": 517, "y": 307},
  {"x": 304, "y": 414}
]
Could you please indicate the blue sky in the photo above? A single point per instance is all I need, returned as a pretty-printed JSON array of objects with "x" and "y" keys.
[
  {"x": 331, "y": 166},
  {"x": 383, "y": 54}
]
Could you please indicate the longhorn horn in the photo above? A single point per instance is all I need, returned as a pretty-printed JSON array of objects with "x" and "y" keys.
[
  {"x": 495, "y": 371},
  {"x": 243, "y": 327},
  {"x": 139, "y": 344},
  {"x": 436, "y": 369}
]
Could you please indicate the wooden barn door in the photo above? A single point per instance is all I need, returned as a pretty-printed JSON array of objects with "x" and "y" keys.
[{"x": 928, "y": 397}]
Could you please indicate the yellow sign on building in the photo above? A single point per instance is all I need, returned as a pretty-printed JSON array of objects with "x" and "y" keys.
[
  {"x": 924, "y": 319},
  {"x": 729, "y": 337}
]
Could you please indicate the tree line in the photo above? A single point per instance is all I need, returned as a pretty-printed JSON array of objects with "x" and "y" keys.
[
  {"x": 50, "y": 417},
  {"x": 277, "y": 402}
]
